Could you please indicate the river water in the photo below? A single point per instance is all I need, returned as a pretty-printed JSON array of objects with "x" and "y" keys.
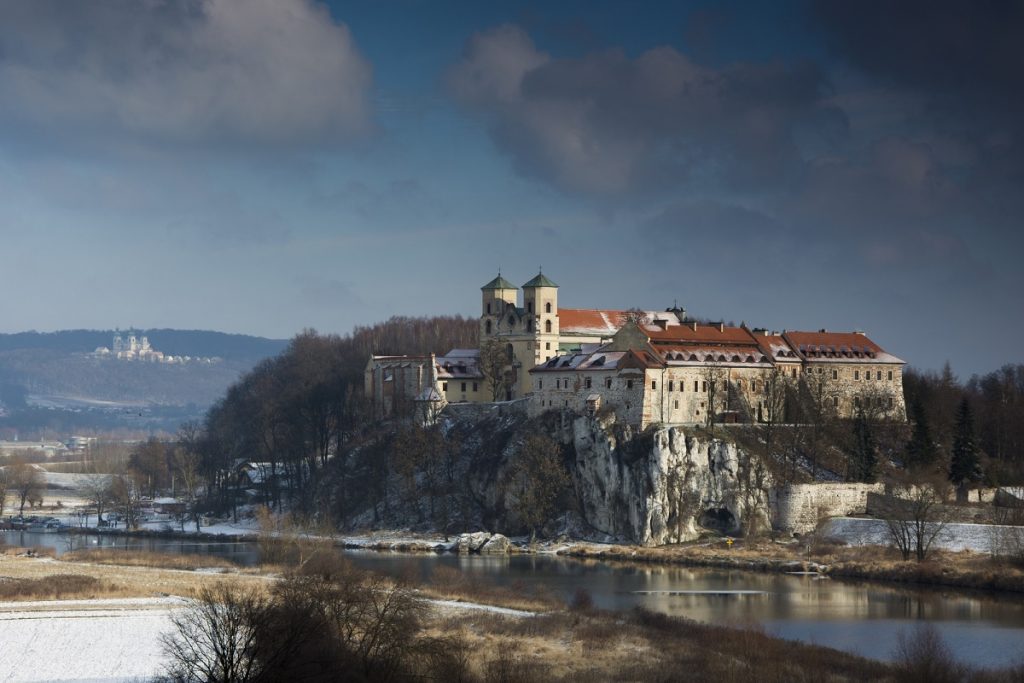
[{"x": 860, "y": 617}]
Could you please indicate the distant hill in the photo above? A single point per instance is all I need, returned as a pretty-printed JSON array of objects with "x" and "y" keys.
[
  {"x": 239, "y": 347},
  {"x": 53, "y": 379}
]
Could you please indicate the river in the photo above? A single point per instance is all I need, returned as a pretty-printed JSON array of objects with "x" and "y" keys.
[{"x": 861, "y": 617}]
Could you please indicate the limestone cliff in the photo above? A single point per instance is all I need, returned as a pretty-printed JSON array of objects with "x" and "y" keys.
[{"x": 663, "y": 485}]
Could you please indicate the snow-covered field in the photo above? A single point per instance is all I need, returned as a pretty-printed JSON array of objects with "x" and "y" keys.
[
  {"x": 83, "y": 640},
  {"x": 974, "y": 537}
]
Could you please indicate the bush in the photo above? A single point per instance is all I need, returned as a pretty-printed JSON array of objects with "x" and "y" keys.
[{"x": 923, "y": 657}]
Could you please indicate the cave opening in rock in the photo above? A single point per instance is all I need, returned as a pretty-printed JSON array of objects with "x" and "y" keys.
[{"x": 719, "y": 519}]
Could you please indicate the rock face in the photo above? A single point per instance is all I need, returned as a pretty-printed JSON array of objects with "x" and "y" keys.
[
  {"x": 663, "y": 485},
  {"x": 482, "y": 542}
]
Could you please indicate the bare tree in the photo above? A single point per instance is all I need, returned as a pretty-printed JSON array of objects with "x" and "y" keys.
[
  {"x": 186, "y": 466},
  {"x": 916, "y": 517},
  {"x": 715, "y": 385},
  {"x": 494, "y": 365},
  {"x": 216, "y": 638},
  {"x": 99, "y": 492},
  {"x": 537, "y": 478},
  {"x": 26, "y": 482}
]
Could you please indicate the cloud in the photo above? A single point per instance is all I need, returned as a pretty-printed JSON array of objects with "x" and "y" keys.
[
  {"x": 182, "y": 71},
  {"x": 608, "y": 123}
]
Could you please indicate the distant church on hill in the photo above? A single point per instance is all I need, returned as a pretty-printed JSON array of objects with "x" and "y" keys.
[{"x": 647, "y": 366}]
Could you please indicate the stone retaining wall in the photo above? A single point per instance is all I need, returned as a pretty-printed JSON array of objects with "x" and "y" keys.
[{"x": 798, "y": 508}]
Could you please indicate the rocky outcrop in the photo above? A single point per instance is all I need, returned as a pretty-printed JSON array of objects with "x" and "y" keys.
[
  {"x": 666, "y": 484},
  {"x": 482, "y": 542}
]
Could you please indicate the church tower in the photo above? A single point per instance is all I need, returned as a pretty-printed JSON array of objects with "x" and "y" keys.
[
  {"x": 540, "y": 299},
  {"x": 496, "y": 297}
]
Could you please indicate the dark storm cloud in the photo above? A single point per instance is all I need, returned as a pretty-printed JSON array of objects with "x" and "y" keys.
[
  {"x": 212, "y": 71},
  {"x": 608, "y": 123}
]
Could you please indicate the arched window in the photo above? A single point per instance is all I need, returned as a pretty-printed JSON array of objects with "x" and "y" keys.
[
  {"x": 547, "y": 325},
  {"x": 488, "y": 308},
  {"x": 487, "y": 327},
  {"x": 547, "y": 307}
]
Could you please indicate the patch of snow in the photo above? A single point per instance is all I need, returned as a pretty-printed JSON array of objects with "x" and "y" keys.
[
  {"x": 455, "y": 604},
  {"x": 977, "y": 538}
]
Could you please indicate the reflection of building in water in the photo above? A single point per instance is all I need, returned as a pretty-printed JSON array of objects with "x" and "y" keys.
[{"x": 137, "y": 347}]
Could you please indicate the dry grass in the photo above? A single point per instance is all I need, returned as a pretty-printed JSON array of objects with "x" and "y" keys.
[
  {"x": 57, "y": 587},
  {"x": 131, "y": 581},
  {"x": 878, "y": 563},
  {"x": 141, "y": 558},
  {"x": 451, "y": 584}
]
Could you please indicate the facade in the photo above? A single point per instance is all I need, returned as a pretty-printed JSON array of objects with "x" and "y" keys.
[{"x": 648, "y": 366}]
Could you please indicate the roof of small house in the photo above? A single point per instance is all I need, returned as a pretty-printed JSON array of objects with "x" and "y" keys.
[{"x": 838, "y": 347}]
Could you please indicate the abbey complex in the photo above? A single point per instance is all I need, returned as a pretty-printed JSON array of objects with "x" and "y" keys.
[{"x": 649, "y": 367}]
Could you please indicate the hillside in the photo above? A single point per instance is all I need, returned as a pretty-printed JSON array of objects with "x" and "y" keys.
[{"x": 52, "y": 381}]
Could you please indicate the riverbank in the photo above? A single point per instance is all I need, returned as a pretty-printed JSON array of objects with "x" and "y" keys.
[{"x": 964, "y": 570}]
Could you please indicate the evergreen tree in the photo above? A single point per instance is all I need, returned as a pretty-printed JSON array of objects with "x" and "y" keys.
[
  {"x": 964, "y": 466},
  {"x": 864, "y": 459},
  {"x": 920, "y": 451}
]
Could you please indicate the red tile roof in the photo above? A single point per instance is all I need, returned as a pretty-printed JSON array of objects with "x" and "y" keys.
[
  {"x": 702, "y": 334},
  {"x": 590, "y": 321}
]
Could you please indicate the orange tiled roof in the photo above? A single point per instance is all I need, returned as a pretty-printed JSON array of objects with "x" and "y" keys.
[
  {"x": 702, "y": 334},
  {"x": 590, "y": 321}
]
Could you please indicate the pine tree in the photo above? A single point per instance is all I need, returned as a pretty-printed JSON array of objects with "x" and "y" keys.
[
  {"x": 920, "y": 449},
  {"x": 864, "y": 459},
  {"x": 964, "y": 466}
]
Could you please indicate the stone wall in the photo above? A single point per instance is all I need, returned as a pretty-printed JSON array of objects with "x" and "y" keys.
[
  {"x": 798, "y": 508},
  {"x": 477, "y": 411}
]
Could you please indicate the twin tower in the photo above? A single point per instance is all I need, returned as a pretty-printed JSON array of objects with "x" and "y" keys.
[{"x": 529, "y": 332}]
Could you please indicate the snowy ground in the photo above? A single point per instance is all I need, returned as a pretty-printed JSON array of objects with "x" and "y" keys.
[
  {"x": 974, "y": 537},
  {"x": 84, "y": 641}
]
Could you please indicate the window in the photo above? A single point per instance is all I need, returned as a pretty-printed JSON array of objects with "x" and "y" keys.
[
  {"x": 558, "y": 384},
  {"x": 529, "y": 325},
  {"x": 476, "y": 387},
  {"x": 488, "y": 308},
  {"x": 704, "y": 387},
  {"x": 676, "y": 404},
  {"x": 547, "y": 347},
  {"x": 529, "y": 306},
  {"x": 835, "y": 374},
  {"x": 654, "y": 385},
  {"x": 819, "y": 370},
  {"x": 547, "y": 325},
  {"x": 547, "y": 307},
  {"x": 856, "y": 374},
  {"x": 835, "y": 401},
  {"x": 608, "y": 382},
  {"x": 511, "y": 353},
  {"x": 671, "y": 386},
  {"x": 878, "y": 375},
  {"x": 890, "y": 375},
  {"x": 588, "y": 383},
  {"x": 487, "y": 327},
  {"x": 629, "y": 384},
  {"x": 793, "y": 372},
  {"x": 890, "y": 402},
  {"x": 540, "y": 384},
  {"x": 695, "y": 385},
  {"x": 444, "y": 386},
  {"x": 753, "y": 385},
  {"x": 856, "y": 401},
  {"x": 463, "y": 386},
  {"x": 511, "y": 321}
]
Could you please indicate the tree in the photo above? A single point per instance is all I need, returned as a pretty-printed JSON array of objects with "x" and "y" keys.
[
  {"x": 215, "y": 638},
  {"x": 964, "y": 466},
  {"x": 916, "y": 517},
  {"x": 864, "y": 457},
  {"x": 494, "y": 365},
  {"x": 537, "y": 478},
  {"x": 98, "y": 491},
  {"x": 920, "y": 451},
  {"x": 26, "y": 482},
  {"x": 715, "y": 384}
]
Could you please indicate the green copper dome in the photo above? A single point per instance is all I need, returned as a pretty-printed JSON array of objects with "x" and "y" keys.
[
  {"x": 499, "y": 283},
  {"x": 540, "y": 281}
]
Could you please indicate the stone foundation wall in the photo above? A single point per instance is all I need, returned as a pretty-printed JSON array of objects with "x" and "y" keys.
[{"x": 798, "y": 508}]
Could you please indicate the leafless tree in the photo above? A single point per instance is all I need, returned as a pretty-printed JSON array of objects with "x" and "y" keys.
[
  {"x": 495, "y": 367},
  {"x": 98, "y": 490},
  {"x": 916, "y": 517},
  {"x": 26, "y": 482},
  {"x": 715, "y": 383},
  {"x": 215, "y": 639},
  {"x": 537, "y": 478}
]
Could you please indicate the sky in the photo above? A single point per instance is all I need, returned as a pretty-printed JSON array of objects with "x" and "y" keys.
[{"x": 265, "y": 166}]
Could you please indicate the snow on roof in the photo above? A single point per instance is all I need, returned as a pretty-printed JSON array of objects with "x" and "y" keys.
[
  {"x": 461, "y": 353},
  {"x": 838, "y": 347}
]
